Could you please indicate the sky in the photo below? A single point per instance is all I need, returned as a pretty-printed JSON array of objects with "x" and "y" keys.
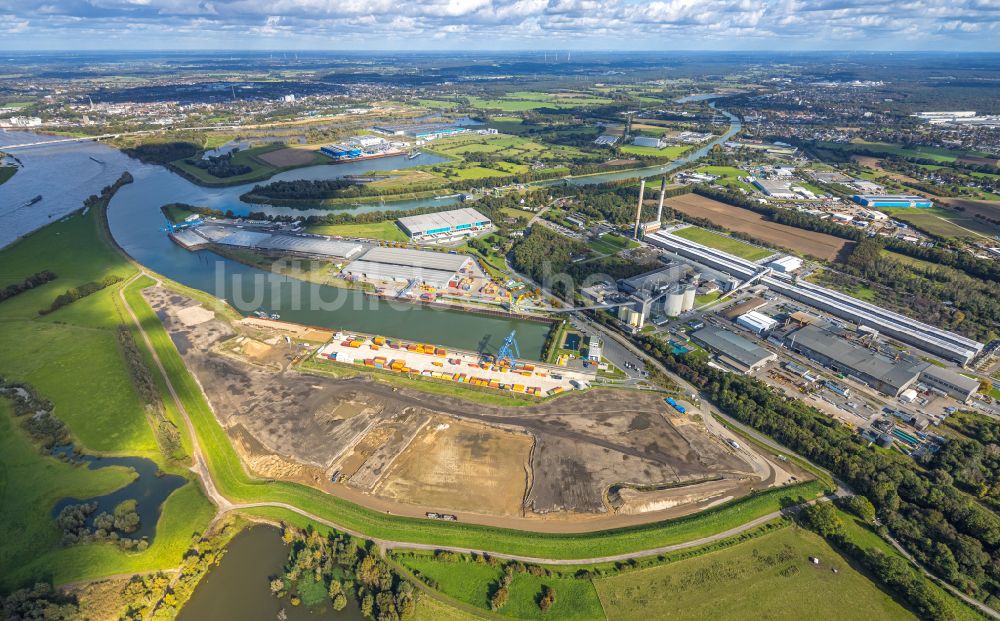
[{"x": 949, "y": 25}]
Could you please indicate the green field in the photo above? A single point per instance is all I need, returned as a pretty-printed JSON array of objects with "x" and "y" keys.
[
  {"x": 671, "y": 152},
  {"x": 6, "y": 172},
  {"x": 729, "y": 176},
  {"x": 72, "y": 357},
  {"x": 722, "y": 242},
  {"x": 261, "y": 170},
  {"x": 386, "y": 230},
  {"x": 472, "y": 583},
  {"x": 942, "y": 222},
  {"x": 767, "y": 577},
  {"x": 930, "y": 153}
]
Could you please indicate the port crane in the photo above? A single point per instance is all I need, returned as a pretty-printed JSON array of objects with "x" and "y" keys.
[{"x": 509, "y": 350}]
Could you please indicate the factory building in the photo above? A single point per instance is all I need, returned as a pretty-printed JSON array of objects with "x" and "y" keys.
[
  {"x": 421, "y": 131},
  {"x": 891, "y": 200},
  {"x": 648, "y": 141},
  {"x": 655, "y": 280},
  {"x": 445, "y": 225},
  {"x": 786, "y": 265},
  {"x": 757, "y": 323},
  {"x": 949, "y": 382},
  {"x": 733, "y": 350},
  {"x": 825, "y": 346},
  {"x": 775, "y": 188},
  {"x": 908, "y": 330},
  {"x": 437, "y": 269},
  {"x": 284, "y": 243}
]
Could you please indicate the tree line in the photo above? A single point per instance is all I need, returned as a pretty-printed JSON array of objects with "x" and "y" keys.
[{"x": 35, "y": 280}]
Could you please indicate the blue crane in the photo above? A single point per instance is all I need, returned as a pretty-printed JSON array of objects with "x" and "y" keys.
[{"x": 508, "y": 350}]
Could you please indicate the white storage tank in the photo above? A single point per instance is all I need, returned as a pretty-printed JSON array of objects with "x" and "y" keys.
[
  {"x": 674, "y": 303},
  {"x": 688, "y": 302}
]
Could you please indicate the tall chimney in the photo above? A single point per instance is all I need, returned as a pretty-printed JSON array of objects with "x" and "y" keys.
[
  {"x": 638, "y": 209},
  {"x": 663, "y": 195}
]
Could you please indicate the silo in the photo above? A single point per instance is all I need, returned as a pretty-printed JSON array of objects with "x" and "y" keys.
[
  {"x": 674, "y": 303},
  {"x": 689, "y": 291}
]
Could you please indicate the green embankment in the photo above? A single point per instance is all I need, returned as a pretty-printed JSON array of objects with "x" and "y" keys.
[
  {"x": 72, "y": 357},
  {"x": 6, "y": 172}
]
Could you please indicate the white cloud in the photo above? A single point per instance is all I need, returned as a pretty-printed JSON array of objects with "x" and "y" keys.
[{"x": 626, "y": 24}]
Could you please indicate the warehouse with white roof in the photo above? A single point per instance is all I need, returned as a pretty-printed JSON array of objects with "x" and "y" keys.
[
  {"x": 445, "y": 225},
  {"x": 404, "y": 265}
]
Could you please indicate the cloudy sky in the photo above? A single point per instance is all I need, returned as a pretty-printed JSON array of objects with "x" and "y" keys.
[{"x": 967, "y": 25}]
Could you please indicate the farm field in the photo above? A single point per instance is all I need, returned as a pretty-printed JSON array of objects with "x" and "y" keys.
[
  {"x": 770, "y": 574},
  {"x": 387, "y": 230},
  {"x": 930, "y": 153},
  {"x": 725, "y": 243},
  {"x": 804, "y": 242},
  {"x": 513, "y": 156}
]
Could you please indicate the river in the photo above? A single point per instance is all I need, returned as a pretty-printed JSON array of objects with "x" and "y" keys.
[
  {"x": 137, "y": 225},
  {"x": 238, "y": 588}
]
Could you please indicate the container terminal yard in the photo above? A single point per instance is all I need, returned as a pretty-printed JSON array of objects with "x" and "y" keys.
[{"x": 500, "y": 372}]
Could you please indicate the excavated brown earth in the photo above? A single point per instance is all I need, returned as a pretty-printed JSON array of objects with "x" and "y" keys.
[{"x": 557, "y": 458}]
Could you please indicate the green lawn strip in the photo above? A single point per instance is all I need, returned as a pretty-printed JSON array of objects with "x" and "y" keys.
[
  {"x": 386, "y": 230},
  {"x": 770, "y": 573},
  {"x": 233, "y": 481},
  {"x": 723, "y": 242},
  {"x": 6, "y": 172}
]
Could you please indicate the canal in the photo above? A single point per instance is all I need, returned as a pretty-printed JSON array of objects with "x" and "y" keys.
[{"x": 239, "y": 587}]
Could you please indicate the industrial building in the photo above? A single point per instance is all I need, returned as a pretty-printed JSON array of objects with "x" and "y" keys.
[
  {"x": 357, "y": 147},
  {"x": 929, "y": 338},
  {"x": 437, "y": 269},
  {"x": 595, "y": 349},
  {"x": 891, "y": 200},
  {"x": 733, "y": 350},
  {"x": 757, "y": 323},
  {"x": 949, "y": 382},
  {"x": 421, "y": 131},
  {"x": 775, "y": 188},
  {"x": 825, "y": 346},
  {"x": 786, "y": 265},
  {"x": 655, "y": 280},
  {"x": 286, "y": 243},
  {"x": 445, "y": 225},
  {"x": 648, "y": 141}
]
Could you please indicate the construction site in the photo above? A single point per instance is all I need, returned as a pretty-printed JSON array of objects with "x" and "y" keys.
[{"x": 582, "y": 460}]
